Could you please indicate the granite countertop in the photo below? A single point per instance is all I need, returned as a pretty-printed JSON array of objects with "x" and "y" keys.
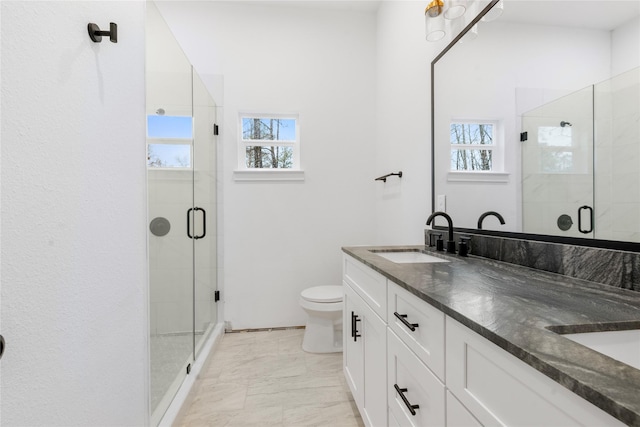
[{"x": 513, "y": 307}]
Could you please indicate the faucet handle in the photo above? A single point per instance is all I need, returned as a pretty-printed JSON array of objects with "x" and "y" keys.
[
  {"x": 463, "y": 248},
  {"x": 431, "y": 235},
  {"x": 451, "y": 246}
]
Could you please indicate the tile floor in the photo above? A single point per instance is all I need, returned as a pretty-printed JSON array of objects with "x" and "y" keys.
[{"x": 265, "y": 378}]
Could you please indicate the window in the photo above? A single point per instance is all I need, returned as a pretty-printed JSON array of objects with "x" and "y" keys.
[
  {"x": 472, "y": 146},
  {"x": 169, "y": 140},
  {"x": 269, "y": 142},
  {"x": 557, "y": 150}
]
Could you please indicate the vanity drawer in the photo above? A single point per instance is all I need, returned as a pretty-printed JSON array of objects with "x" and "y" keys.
[
  {"x": 406, "y": 312},
  {"x": 412, "y": 386},
  {"x": 500, "y": 389},
  {"x": 369, "y": 284}
]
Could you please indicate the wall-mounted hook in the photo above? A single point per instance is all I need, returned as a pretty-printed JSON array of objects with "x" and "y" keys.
[{"x": 96, "y": 34}]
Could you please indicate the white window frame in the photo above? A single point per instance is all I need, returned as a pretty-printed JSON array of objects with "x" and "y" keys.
[
  {"x": 172, "y": 141},
  {"x": 244, "y": 173},
  {"x": 497, "y": 172}
]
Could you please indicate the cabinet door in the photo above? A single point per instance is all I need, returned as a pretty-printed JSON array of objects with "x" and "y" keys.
[
  {"x": 365, "y": 360},
  {"x": 374, "y": 331},
  {"x": 458, "y": 415},
  {"x": 500, "y": 389},
  {"x": 419, "y": 325},
  {"x": 415, "y": 395},
  {"x": 353, "y": 346}
]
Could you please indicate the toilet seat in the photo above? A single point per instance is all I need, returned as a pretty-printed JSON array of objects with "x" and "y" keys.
[
  {"x": 323, "y": 329},
  {"x": 323, "y": 294}
]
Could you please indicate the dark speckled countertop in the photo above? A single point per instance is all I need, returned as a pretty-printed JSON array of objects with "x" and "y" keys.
[{"x": 514, "y": 306}]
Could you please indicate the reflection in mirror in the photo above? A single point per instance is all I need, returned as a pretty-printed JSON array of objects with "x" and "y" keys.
[{"x": 542, "y": 121}]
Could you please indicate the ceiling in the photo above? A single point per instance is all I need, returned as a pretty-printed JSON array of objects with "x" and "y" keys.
[{"x": 591, "y": 14}]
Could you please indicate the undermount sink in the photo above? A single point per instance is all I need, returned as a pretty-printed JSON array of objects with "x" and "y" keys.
[
  {"x": 409, "y": 257},
  {"x": 623, "y": 346}
]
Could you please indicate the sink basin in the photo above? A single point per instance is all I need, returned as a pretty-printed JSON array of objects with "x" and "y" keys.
[
  {"x": 409, "y": 257},
  {"x": 623, "y": 346}
]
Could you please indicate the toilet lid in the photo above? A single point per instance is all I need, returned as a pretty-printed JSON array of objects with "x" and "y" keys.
[{"x": 323, "y": 294}]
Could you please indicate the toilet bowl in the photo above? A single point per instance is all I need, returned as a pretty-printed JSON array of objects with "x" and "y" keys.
[{"x": 323, "y": 332}]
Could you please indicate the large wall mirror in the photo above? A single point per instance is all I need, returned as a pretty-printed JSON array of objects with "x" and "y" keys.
[{"x": 536, "y": 116}]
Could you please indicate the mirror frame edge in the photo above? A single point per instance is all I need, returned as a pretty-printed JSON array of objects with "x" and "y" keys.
[{"x": 548, "y": 238}]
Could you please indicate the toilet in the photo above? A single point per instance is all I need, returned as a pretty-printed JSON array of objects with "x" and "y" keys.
[{"x": 323, "y": 332}]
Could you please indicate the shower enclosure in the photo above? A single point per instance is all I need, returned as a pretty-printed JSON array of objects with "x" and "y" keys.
[
  {"x": 580, "y": 153},
  {"x": 181, "y": 182}
]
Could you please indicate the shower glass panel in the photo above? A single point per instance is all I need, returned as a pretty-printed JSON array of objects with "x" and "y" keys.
[
  {"x": 557, "y": 167},
  {"x": 181, "y": 175},
  {"x": 617, "y": 157},
  {"x": 204, "y": 213},
  {"x": 170, "y": 194},
  {"x": 580, "y": 174}
]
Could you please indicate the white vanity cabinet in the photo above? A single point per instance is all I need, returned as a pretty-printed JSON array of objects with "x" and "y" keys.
[
  {"x": 416, "y": 397},
  {"x": 419, "y": 325},
  {"x": 408, "y": 364},
  {"x": 458, "y": 415},
  {"x": 365, "y": 341},
  {"x": 415, "y": 352},
  {"x": 500, "y": 389}
]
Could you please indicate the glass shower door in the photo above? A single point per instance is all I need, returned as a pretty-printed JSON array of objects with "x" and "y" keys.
[
  {"x": 170, "y": 175},
  {"x": 617, "y": 152},
  {"x": 204, "y": 214},
  {"x": 557, "y": 167}
]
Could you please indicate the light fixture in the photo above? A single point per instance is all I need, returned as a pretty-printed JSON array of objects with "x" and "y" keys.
[
  {"x": 433, "y": 20},
  {"x": 471, "y": 34},
  {"x": 494, "y": 12},
  {"x": 455, "y": 9},
  {"x": 435, "y": 14}
]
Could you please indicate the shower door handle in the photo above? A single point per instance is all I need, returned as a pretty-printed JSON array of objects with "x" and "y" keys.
[
  {"x": 2, "y": 345},
  {"x": 204, "y": 223},
  {"x": 189, "y": 222},
  {"x": 590, "y": 209}
]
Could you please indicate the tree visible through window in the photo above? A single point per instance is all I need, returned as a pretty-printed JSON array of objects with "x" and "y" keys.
[
  {"x": 472, "y": 146},
  {"x": 269, "y": 142},
  {"x": 169, "y": 140}
]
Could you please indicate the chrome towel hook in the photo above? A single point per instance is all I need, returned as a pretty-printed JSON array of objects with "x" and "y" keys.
[{"x": 96, "y": 34}]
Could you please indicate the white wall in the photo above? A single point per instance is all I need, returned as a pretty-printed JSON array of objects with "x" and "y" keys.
[
  {"x": 74, "y": 281},
  {"x": 281, "y": 237},
  {"x": 403, "y": 122},
  {"x": 625, "y": 47}
]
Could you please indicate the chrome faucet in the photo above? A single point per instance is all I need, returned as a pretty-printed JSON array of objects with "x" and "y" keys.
[
  {"x": 451, "y": 245},
  {"x": 486, "y": 214}
]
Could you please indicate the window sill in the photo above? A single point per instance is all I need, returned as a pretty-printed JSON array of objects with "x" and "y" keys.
[
  {"x": 245, "y": 175},
  {"x": 497, "y": 177}
]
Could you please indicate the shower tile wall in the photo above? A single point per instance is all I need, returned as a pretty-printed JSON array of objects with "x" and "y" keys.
[
  {"x": 170, "y": 256},
  {"x": 557, "y": 179},
  {"x": 613, "y": 188},
  {"x": 617, "y": 157}
]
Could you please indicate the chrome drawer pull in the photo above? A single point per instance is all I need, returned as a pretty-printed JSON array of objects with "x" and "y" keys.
[
  {"x": 401, "y": 392},
  {"x": 402, "y": 317}
]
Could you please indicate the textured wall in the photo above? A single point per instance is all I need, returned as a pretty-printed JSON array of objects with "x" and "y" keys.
[{"x": 74, "y": 280}]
